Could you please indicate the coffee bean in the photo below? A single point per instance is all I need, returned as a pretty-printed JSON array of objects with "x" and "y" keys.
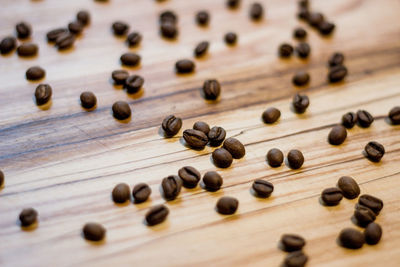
[
  {"x": 27, "y": 50},
  {"x": 211, "y": 89},
  {"x": 54, "y": 34},
  {"x": 195, "y": 139},
  {"x": 373, "y": 234},
  {"x": 315, "y": 19},
  {"x": 349, "y": 187},
  {"x": 232, "y": 3},
  {"x": 168, "y": 16},
  {"x": 121, "y": 193},
  {"x": 303, "y": 14},
  {"x": 331, "y": 196},
  {"x": 326, "y": 28},
  {"x": 303, "y": 3},
  {"x": 75, "y": 27},
  {"x": 271, "y": 115},
  {"x": 295, "y": 259},
  {"x": 121, "y": 110},
  {"x": 1, "y": 179},
  {"x": 134, "y": 39},
  {"x": 275, "y": 157},
  {"x": 364, "y": 118},
  {"x": 299, "y": 33},
  {"x": 374, "y": 151},
  {"x": 216, "y": 136},
  {"x": 285, "y": 50},
  {"x": 65, "y": 41},
  {"x": 292, "y": 242},
  {"x": 303, "y": 50},
  {"x": 185, "y": 66},
  {"x": 157, "y": 215},
  {"x": 35, "y": 73},
  {"x": 374, "y": 203},
  {"x": 190, "y": 176},
  {"x": 28, "y": 217},
  {"x": 256, "y": 11},
  {"x": 364, "y": 215},
  {"x": 227, "y": 205},
  {"x": 351, "y": 238},
  {"x": 141, "y": 192},
  {"x": 7, "y": 45},
  {"x": 168, "y": 30},
  {"x": 295, "y": 159},
  {"x": 349, "y": 120},
  {"x": 300, "y": 103},
  {"x": 202, "y": 18},
  {"x": 83, "y": 17},
  {"x": 222, "y": 158},
  {"x": 336, "y": 59},
  {"x": 337, "y": 135},
  {"x": 201, "y": 126},
  {"x": 24, "y": 30},
  {"x": 171, "y": 125},
  {"x": 130, "y": 59},
  {"x": 235, "y": 147},
  {"x": 201, "y": 49},
  {"x": 337, "y": 73},
  {"x": 119, "y": 76},
  {"x": 212, "y": 181},
  {"x": 120, "y": 28},
  {"x": 171, "y": 187},
  {"x": 394, "y": 115},
  {"x": 262, "y": 189},
  {"x": 301, "y": 78},
  {"x": 133, "y": 84},
  {"x": 94, "y": 232},
  {"x": 88, "y": 100},
  {"x": 230, "y": 38},
  {"x": 43, "y": 94}
]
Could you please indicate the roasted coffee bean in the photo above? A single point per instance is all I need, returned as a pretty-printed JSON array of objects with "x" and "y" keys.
[
  {"x": 275, "y": 157},
  {"x": 171, "y": 125},
  {"x": 83, "y": 17},
  {"x": 133, "y": 84},
  {"x": 94, "y": 232},
  {"x": 119, "y": 76},
  {"x": 337, "y": 73},
  {"x": 271, "y": 115},
  {"x": 364, "y": 118},
  {"x": 7, "y": 45},
  {"x": 299, "y": 33},
  {"x": 301, "y": 78},
  {"x": 168, "y": 16},
  {"x": 27, "y": 50},
  {"x": 157, "y": 215},
  {"x": 35, "y": 73},
  {"x": 24, "y": 30},
  {"x": 134, "y": 39},
  {"x": 256, "y": 11},
  {"x": 65, "y": 41},
  {"x": 315, "y": 19},
  {"x": 364, "y": 215},
  {"x": 75, "y": 27},
  {"x": 285, "y": 50},
  {"x": 201, "y": 49},
  {"x": 303, "y": 50},
  {"x": 43, "y": 94},
  {"x": 295, "y": 159},
  {"x": 211, "y": 89},
  {"x": 230, "y": 38},
  {"x": 88, "y": 100},
  {"x": 201, "y": 126},
  {"x": 351, "y": 238},
  {"x": 202, "y": 18},
  {"x": 349, "y": 187},
  {"x": 120, "y": 28},
  {"x": 121, "y": 110},
  {"x": 235, "y": 147},
  {"x": 212, "y": 181},
  {"x": 232, "y": 3},
  {"x": 185, "y": 66},
  {"x": 303, "y": 3},
  {"x": 336, "y": 59},
  {"x": 292, "y": 242},
  {"x": 227, "y": 205},
  {"x": 168, "y": 30},
  {"x": 374, "y": 151},
  {"x": 121, "y": 193},
  {"x": 300, "y": 103},
  {"x": 195, "y": 139},
  {"x": 54, "y": 34},
  {"x": 373, "y": 234},
  {"x": 303, "y": 14},
  {"x": 374, "y": 203},
  {"x": 222, "y": 158},
  {"x": 130, "y": 59},
  {"x": 190, "y": 176},
  {"x": 331, "y": 196},
  {"x": 28, "y": 217},
  {"x": 394, "y": 115},
  {"x": 262, "y": 189},
  {"x": 337, "y": 135},
  {"x": 141, "y": 192},
  {"x": 1, "y": 179},
  {"x": 295, "y": 259},
  {"x": 349, "y": 120},
  {"x": 216, "y": 136},
  {"x": 326, "y": 28},
  {"x": 171, "y": 187}
]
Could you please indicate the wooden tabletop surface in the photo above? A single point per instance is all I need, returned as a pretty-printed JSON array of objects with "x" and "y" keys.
[{"x": 64, "y": 161}]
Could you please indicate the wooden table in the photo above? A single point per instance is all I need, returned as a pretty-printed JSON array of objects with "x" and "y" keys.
[{"x": 65, "y": 161}]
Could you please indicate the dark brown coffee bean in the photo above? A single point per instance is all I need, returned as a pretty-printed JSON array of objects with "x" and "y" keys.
[
  {"x": 1, "y": 179},
  {"x": 28, "y": 217},
  {"x": 232, "y": 3},
  {"x": 349, "y": 187},
  {"x": 373, "y": 234},
  {"x": 212, "y": 181},
  {"x": 295, "y": 159},
  {"x": 365, "y": 119},
  {"x": 130, "y": 59},
  {"x": 256, "y": 11},
  {"x": 7, "y": 45},
  {"x": 65, "y": 41},
  {"x": 300, "y": 103},
  {"x": 43, "y": 94},
  {"x": 201, "y": 126},
  {"x": 349, "y": 120},
  {"x": 169, "y": 30},
  {"x": 394, "y": 115},
  {"x": 351, "y": 238},
  {"x": 171, "y": 187},
  {"x": 285, "y": 50},
  {"x": 27, "y": 50},
  {"x": 292, "y": 242},
  {"x": 202, "y": 18},
  {"x": 235, "y": 147},
  {"x": 331, "y": 196},
  {"x": 230, "y": 38},
  {"x": 168, "y": 16},
  {"x": 133, "y": 84},
  {"x": 275, "y": 157},
  {"x": 271, "y": 115},
  {"x": 88, "y": 100},
  {"x": 54, "y": 34},
  {"x": 157, "y": 215},
  {"x": 195, "y": 139},
  {"x": 301, "y": 78},
  {"x": 326, "y": 28},
  {"x": 216, "y": 136},
  {"x": 94, "y": 232},
  {"x": 337, "y": 73},
  {"x": 121, "y": 193},
  {"x": 134, "y": 39},
  {"x": 303, "y": 50},
  {"x": 119, "y": 76},
  {"x": 299, "y": 33},
  {"x": 185, "y": 66},
  {"x": 24, "y": 30},
  {"x": 211, "y": 89},
  {"x": 227, "y": 205},
  {"x": 303, "y": 3},
  {"x": 374, "y": 151},
  {"x": 295, "y": 259},
  {"x": 120, "y": 28},
  {"x": 364, "y": 215},
  {"x": 374, "y": 203},
  {"x": 171, "y": 125},
  {"x": 201, "y": 49},
  {"x": 303, "y": 14},
  {"x": 262, "y": 189},
  {"x": 190, "y": 176},
  {"x": 222, "y": 158},
  {"x": 83, "y": 17},
  {"x": 336, "y": 59},
  {"x": 337, "y": 135},
  {"x": 121, "y": 110},
  {"x": 35, "y": 73},
  {"x": 141, "y": 192},
  {"x": 75, "y": 27},
  {"x": 315, "y": 19}
]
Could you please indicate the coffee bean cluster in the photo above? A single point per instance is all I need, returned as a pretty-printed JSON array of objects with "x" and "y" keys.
[
  {"x": 23, "y": 31},
  {"x": 315, "y": 20}
]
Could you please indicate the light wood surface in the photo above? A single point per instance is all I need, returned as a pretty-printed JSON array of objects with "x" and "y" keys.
[{"x": 65, "y": 161}]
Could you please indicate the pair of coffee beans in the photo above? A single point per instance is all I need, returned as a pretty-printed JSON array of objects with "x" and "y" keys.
[
  {"x": 94, "y": 232},
  {"x": 293, "y": 244},
  {"x": 271, "y": 115},
  {"x": 374, "y": 151},
  {"x": 121, "y": 110},
  {"x": 300, "y": 103},
  {"x": 28, "y": 217},
  {"x": 346, "y": 187},
  {"x": 337, "y": 71},
  {"x": 366, "y": 210},
  {"x": 35, "y": 73},
  {"x": 156, "y": 215},
  {"x": 354, "y": 239},
  {"x": 318, "y": 21},
  {"x": 185, "y": 66},
  {"x": 295, "y": 158},
  {"x": 168, "y": 24},
  {"x": 132, "y": 83},
  {"x": 337, "y": 135},
  {"x": 227, "y": 205},
  {"x": 262, "y": 189},
  {"x": 232, "y": 149},
  {"x": 362, "y": 117},
  {"x": 121, "y": 193},
  {"x": 198, "y": 139},
  {"x": 171, "y": 125},
  {"x": 88, "y": 100}
]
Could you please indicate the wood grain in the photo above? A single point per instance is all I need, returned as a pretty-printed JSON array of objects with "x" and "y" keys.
[{"x": 65, "y": 161}]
